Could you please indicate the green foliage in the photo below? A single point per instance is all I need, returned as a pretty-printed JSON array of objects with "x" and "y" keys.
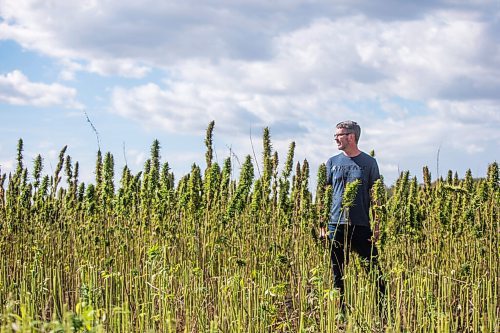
[
  {"x": 239, "y": 201},
  {"x": 212, "y": 185},
  {"x": 208, "y": 144},
  {"x": 350, "y": 192},
  {"x": 214, "y": 254},
  {"x": 268, "y": 163},
  {"x": 284, "y": 202},
  {"x": 37, "y": 171},
  {"x": 195, "y": 190}
]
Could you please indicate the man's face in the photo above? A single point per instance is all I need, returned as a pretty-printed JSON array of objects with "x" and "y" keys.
[{"x": 343, "y": 138}]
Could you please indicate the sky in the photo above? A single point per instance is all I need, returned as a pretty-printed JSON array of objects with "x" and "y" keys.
[{"x": 422, "y": 78}]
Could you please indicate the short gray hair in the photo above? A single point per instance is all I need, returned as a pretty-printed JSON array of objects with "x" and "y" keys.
[{"x": 352, "y": 127}]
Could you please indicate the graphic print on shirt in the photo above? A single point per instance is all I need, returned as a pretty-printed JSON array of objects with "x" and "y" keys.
[{"x": 347, "y": 173}]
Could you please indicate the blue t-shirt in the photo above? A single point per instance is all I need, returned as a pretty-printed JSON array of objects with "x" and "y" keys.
[{"x": 342, "y": 169}]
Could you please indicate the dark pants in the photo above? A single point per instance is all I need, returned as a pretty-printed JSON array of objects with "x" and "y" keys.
[{"x": 343, "y": 239}]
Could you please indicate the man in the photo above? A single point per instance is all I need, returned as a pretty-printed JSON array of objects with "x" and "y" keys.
[{"x": 349, "y": 227}]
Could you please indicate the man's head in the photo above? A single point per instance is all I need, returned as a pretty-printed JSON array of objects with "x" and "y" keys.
[{"x": 350, "y": 126}]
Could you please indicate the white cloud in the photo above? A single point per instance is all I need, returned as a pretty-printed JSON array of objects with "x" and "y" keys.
[
  {"x": 17, "y": 89},
  {"x": 416, "y": 76},
  {"x": 154, "y": 107},
  {"x": 6, "y": 166},
  {"x": 478, "y": 112},
  {"x": 314, "y": 69},
  {"x": 136, "y": 157},
  {"x": 125, "y": 67}
]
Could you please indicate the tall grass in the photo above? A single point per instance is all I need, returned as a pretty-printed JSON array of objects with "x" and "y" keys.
[{"x": 210, "y": 253}]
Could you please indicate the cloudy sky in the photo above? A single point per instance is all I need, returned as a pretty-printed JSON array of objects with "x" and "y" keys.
[{"x": 419, "y": 76}]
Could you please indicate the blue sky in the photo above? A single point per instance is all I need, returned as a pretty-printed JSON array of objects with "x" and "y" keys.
[{"x": 418, "y": 76}]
